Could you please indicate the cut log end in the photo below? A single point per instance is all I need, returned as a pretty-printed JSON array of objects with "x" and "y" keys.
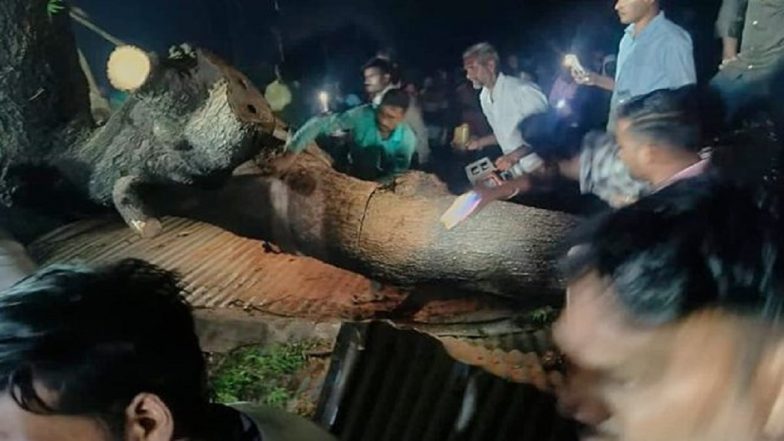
[
  {"x": 129, "y": 68},
  {"x": 147, "y": 229}
]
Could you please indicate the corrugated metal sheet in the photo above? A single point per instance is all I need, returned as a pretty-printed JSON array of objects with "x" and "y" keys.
[
  {"x": 386, "y": 384},
  {"x": 223, "y": 270}
]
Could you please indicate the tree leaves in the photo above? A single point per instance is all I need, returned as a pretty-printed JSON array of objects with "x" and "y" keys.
[{"x": 54, "y": 7}]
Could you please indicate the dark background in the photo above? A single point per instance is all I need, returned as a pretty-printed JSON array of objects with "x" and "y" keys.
[{"x": 331, "y": 39}]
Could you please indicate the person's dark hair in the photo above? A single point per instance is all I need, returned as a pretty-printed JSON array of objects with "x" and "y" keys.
[
  {"x": 396, "y": 98},
  {"x": 700, "y": 242},
  {"x": 549, "y": 136},
  {"x": 668, "y": 116},
  {"x": 383, "y": 65},
  {"x": 97, "y": 337}
]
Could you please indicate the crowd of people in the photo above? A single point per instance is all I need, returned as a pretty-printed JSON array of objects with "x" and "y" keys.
[
  {"x": 672, "y": 323},
  {"x": 558, "y": 112}
]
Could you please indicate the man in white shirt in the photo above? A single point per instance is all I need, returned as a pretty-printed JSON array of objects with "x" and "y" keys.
[{"x": 506, "y": 102}]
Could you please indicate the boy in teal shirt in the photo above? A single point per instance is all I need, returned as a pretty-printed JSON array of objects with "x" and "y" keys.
[{"x": 380, "y": 144}]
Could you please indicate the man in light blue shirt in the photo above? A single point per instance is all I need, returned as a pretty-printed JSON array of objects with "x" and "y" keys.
[{"x": 654, "y": 54}]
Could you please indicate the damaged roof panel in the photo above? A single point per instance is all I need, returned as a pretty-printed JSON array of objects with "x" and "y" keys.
[{"x": 222, "y": 270}]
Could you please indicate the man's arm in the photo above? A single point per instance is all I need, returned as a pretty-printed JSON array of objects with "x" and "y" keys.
[
  {"x": 509, "y": 189},
  {"x": 318, "y": 126},
  {"x": 594, "y": 79},
  {"x": 480, "y": 143},
  {"x": 729, "y": 49},
  {"x": 729, "y": 26},
  {"x": 678, "y": 63},
  {"x": 508, "y": 160}
]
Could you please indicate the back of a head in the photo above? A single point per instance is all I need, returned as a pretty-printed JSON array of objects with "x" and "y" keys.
[
  {"x": 396, "y": 98},
  {"x": 699, "y": 242},
  {"x": 669, "y": 117},
  {"x": 98, "y": 337},
  {"x": 548, "y": 136},
  {"x": 384, "y": 65},
  {"x": 482, "y": 52}
]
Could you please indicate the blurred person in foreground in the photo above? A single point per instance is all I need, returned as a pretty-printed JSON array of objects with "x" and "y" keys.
[
  {"x": 673, "y": 317},
  {"x": 110, "y": 354},
  {"x": 15, "y": 263}
]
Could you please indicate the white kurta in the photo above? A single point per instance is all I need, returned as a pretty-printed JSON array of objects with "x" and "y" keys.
[{"x": 511, "y": 101}]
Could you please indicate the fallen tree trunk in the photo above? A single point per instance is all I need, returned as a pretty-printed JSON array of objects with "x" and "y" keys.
[
  {"x": 190, "y": 119},
  {"x": 389, "y": 233}
]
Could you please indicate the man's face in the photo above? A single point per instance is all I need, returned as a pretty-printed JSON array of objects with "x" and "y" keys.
[
  {"x": 388, "y": 118},
  {"x": 632, "y": 150},
  {"x": 630, "y": 11},
  {"x": 677, "y": 382},
  {"x": 375, "y": 81},
  {"x": 479, "y": 74},
  {"x": 594, "y": 329},
  {"x": 19, "y": 425}
]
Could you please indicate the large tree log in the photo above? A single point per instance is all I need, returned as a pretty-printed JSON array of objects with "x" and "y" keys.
[
  {"x": 190, "y": 119},
  {"x": 390, "y": 233}
]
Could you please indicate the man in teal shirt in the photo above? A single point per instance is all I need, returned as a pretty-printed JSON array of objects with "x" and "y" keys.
[{"x": 380, "y": 146}]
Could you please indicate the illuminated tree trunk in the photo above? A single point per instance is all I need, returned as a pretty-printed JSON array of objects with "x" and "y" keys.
[{"x": 389, "y": 233}]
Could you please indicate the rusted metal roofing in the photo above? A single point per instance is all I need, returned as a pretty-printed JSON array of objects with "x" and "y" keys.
[
  {"x": 223, "y": 270},
  {"x": 533, "y": 359}
]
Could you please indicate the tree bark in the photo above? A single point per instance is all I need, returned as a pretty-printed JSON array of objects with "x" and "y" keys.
[
  {"x": 42, "y": 89},
  {"x": 191, "y": 121},
  {"x": 391, "y": 233}
]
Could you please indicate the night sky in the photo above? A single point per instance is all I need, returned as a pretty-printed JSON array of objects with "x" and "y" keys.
[{"x": 333, "y": 38}]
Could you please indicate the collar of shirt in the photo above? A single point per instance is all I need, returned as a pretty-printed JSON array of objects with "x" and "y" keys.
[
  {"x": 380, "y": 97},
  {"x": 396, "y": 137},
  {"x": 497, "y": 88},
  {"x": 691, "y": 171},
  {"x": 657, "y": 22},
  {"x": 630, "y": 41}
]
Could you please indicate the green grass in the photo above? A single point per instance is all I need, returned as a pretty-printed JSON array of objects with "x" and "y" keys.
[
  {"x": 541, "y": 317},
  {"x": 259, "y": 375}
]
